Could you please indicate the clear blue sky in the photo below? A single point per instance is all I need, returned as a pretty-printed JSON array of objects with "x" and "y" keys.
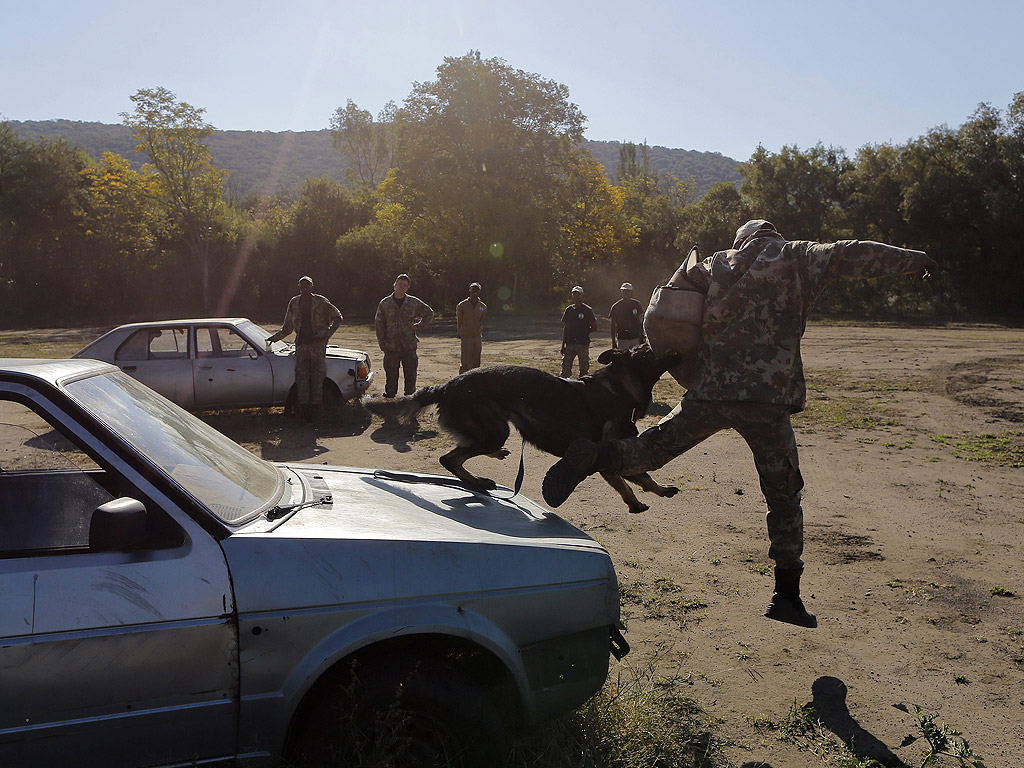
[{"x": 720, "y": 75}]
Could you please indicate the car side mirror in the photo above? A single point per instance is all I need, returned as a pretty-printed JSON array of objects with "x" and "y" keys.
[
  {"x": 253, "y": 354},
  {"x": 118, "y": 525}
]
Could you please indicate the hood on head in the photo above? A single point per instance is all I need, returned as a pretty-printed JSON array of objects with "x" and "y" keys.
[{"x": 750, "y": 229}]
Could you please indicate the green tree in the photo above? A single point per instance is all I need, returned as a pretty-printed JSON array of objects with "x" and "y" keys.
[
  {"x": 479, "y": 171},
  {"x": 303, "y": 239},
  {"x": 653, "y": 205},
  {"x": 594, "y": 229},
  {"x": 799, "y": 191},
  {"x": 711, "y": 222},
  {"x": 42, "y": 214},
  {"x": 368, "y": 145},
  {"x": 119, "y": 228},
  {"x": 171, "y": 134}
]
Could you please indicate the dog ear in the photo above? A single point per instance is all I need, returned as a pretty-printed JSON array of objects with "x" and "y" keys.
[{"x": 606, "y": 357}]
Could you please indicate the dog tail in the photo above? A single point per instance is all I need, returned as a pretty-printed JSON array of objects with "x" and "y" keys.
[{"x": 402, "y": 408}]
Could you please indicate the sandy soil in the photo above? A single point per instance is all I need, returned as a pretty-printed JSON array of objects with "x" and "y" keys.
[{"x": 912, "y": 516}]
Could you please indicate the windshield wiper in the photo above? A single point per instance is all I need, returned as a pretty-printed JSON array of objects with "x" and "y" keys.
[{"x": 280, "y": 510}]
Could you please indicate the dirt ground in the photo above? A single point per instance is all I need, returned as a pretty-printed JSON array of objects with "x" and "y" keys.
[{"x": 912, "y": 450}]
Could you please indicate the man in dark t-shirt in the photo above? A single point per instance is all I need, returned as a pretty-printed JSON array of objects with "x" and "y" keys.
[
  {"x": 578, "y": 321},
  {"x": 627, "y": 318}
]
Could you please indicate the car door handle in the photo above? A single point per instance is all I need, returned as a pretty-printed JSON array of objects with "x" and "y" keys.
[{"x": 205, "y": 367}]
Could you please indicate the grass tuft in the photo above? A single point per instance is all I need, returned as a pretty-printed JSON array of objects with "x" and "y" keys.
[{"x": 638, "y": 720}]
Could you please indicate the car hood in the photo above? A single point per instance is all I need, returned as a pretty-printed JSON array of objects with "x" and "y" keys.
[
  {"x": 341, "y": 353},
  {"x": 398, "y": 535},
  {"x": 414, "y": 506}
]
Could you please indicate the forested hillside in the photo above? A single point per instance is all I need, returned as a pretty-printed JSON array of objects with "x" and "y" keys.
[
  {"x": 481, "y": 175},
  {"x": 267, "y": 163}
]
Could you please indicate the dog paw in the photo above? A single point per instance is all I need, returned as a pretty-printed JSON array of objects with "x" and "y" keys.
[
  {"x": 502, "y": 454},
  {"x": 483, "y": 484},
  {"x": 669, "y": 491},
  {"x": 638, "y": 508}
]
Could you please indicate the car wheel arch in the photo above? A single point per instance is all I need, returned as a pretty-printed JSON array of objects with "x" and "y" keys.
[{"x": 462, "y": 655}]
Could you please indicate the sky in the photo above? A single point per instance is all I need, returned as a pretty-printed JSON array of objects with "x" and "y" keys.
[{"x": 721, "y": 76}]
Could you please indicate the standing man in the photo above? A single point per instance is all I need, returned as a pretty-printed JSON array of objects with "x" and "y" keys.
[
  {"x": 398, "y": 317},
  {"x": 469, "y": 318},
  {"x": 627, "y": 318},
  {"x": 314, "y": 319},
  {"x": 749, "y": 377},
  {"x": 578, "y": 322}
]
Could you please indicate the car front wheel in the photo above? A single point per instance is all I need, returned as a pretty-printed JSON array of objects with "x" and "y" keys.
[{"x": 421, "y": 716}]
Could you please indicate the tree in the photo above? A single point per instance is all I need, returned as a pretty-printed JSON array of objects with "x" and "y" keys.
[
  {"x": 120, "y": 225},
  {"x": 369, "y": 145},
  {"x": 711, "y": 222},
  {"x": 479, "y": 170},
  {"x": 171, "y": 134},
  {"x": 653, "y": 205},
  {"x": 798, "y": 191},
  {"x": 594, "y": 228},
  {"x": 42, "y": 195}
]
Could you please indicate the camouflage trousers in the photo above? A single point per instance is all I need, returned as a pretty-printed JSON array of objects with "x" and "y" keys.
[
  {"x": 310, "y": 372},
  {"x": 572, "y": 351},
  {"x": 405, "y": 359},
  {"x": 768, "y": 432}
]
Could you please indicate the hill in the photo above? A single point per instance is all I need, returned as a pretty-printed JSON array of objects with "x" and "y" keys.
[{"x": 271, "y": 163}]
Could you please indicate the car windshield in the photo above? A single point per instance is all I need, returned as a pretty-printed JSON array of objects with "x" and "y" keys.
[
  {"x": 229, "y": 481},
  {"x": 253, "y": 331}
]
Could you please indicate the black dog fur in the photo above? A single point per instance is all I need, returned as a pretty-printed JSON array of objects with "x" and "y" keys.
[{"x": 549, "y": 412}]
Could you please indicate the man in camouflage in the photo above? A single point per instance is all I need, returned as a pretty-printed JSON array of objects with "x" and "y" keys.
[
  {"x": 314, "y": 319},
  {"x": 398, "y": 317},
  {"x": 749, "y": 377}
]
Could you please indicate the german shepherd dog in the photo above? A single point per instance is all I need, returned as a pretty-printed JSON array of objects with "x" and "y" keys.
[{"x": 549, "y": 412}]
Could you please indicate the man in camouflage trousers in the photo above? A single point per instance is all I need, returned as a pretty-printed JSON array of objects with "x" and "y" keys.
[
  {"x": 314, "y": 319},
  {"x": 398, "y": 317},
  {"x": 749, "y": 377}
]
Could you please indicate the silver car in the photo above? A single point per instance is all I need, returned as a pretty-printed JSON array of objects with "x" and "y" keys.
[
  {"x": 222, "y": 363},
  {"x": 168, "y": 598}
]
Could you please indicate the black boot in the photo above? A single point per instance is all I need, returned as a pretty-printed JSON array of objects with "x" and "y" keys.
[
  {"x": 582, "y": 458},
  {"x": 786, "y": 604}
]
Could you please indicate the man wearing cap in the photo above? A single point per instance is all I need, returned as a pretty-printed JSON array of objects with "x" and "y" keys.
[
  {"x": 627, "y": 319},
  {"x": 469, "y": 320},
  {"x": 398, "y": 316},
  {"x": 749, "y": 377},
  {"x": 314, "y": 319},
  {"x": 578, "y": 322}
]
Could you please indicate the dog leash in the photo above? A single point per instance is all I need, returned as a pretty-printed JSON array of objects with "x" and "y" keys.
[{"x": 519, "y": 475}]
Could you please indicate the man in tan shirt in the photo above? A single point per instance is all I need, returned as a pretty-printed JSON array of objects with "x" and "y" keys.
[{"x": 469, "y": 315}]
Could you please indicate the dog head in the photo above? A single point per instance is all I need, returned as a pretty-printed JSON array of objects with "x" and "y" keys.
[{"x": 636, "y": 371}]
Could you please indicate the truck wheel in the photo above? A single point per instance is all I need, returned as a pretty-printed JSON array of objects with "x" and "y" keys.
[{"x": 421, "y": 716}]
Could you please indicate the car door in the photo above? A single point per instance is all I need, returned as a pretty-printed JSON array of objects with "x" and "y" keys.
[
  {"x": 110, "y": 655},
  {"x": 158, "y": 357},
  {"x": 229, "y": 370}
]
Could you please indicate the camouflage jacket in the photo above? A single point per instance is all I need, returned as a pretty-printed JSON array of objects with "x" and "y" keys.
[
  {"x": 396, "y": 323},
  {"x": 756, "y": 310},
  {"x": 325, "y": 316}
]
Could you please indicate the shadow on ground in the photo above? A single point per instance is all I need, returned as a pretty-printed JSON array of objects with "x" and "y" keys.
[{"x": 829, "y": 706}]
